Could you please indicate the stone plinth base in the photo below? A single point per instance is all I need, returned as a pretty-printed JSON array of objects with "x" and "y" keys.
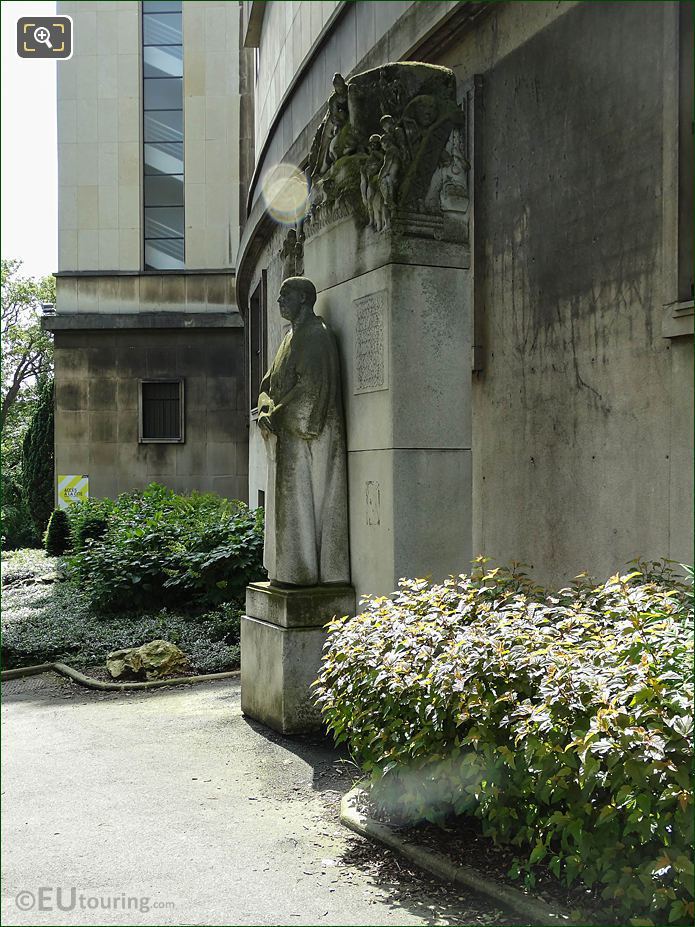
[
  {"x": 400, "y": 305},
  {"x": 282, "y": 637}
]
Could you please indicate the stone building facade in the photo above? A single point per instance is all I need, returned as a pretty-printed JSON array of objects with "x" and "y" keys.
[
  {"x": 149, "y": 345},
  {"x": 569, "y": 428}
]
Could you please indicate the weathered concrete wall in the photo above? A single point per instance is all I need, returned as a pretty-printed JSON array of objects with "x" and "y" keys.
[
  {"x": 96, "y": 431},
  {"x": 150, "y": 292},
  {"x": 289, "y": 31},
  {"x": 582, "y": 416}
]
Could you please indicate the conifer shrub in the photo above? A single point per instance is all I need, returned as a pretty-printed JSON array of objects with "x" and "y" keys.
[
  {"x": 18, "y": 529},
  {"x": 37, "y": 460},
  {"x": 562, "y": 721},
  {"x": 56, "y": 540}
]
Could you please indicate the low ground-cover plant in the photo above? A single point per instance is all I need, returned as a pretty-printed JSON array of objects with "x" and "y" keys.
[
  {"x": 156, "y": 547},
  {"x": 25, "y": 564},
  {"x": 44, "y": 623},
  {"x": 563, "y": 722}
]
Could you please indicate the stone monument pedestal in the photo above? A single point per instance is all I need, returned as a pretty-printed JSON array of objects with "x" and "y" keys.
[
  {"x": 282, "y": 638},
  {"x": 401, "y": 310}
]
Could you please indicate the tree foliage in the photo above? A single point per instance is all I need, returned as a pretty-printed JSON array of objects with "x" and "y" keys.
[
  {"x": 27, "y": 351},
  {"x": 27, "y": 356}
]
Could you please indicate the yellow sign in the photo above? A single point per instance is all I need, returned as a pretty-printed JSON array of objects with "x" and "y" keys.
[{"x": 72, "y": 489}]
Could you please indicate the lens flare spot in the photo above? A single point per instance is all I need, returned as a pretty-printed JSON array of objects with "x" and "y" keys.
[{"x": 286, "y": 193}]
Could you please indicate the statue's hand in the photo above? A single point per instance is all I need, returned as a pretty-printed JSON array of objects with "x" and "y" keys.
[{"x": 265, "y": 423}]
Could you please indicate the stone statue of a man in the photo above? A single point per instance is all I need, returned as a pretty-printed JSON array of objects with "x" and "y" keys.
[{"x": 301, "y": 418}]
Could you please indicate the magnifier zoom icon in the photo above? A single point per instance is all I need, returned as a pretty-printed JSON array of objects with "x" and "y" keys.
[{"x": 43, "y": 36}]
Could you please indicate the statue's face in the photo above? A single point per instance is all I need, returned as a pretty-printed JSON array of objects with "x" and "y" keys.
[{"x": 290, "y": 301}]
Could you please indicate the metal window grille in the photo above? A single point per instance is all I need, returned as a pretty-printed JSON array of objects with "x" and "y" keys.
[{"x": 161, "y": 411}]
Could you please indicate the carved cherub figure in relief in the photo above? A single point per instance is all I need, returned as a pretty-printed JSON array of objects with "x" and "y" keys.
[
  {"x": 392, "y": 145},
  {"x": 418, "y": 117},
  {"x": 323, "y": 152},
  {"x": 369, "y": 182},
  {"x": 287, "y": 253}
]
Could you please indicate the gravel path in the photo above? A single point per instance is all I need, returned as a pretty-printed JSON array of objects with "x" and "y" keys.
[{"x": 172, "y": 808}]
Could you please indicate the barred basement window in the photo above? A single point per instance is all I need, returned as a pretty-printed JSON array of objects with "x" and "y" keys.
[{"x": 161, "y": 411}]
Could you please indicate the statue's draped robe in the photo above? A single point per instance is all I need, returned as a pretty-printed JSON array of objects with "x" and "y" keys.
[{"x": 306, "y": 526}]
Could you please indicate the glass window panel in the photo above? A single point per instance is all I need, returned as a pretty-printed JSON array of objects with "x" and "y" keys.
[
  {"x": 163, "y": 254},
  {"x": 161, "y": 6},
  {"x": 164, "y": 158},
  {"x": 164, "y": 222},
  {"x": 161, "y": 29},
  {"x": 163, "y": 190},
  {"x": 164, "y": 126},
  {"x": 163, "y": 62},
  {"x": 164, "y": 94}
]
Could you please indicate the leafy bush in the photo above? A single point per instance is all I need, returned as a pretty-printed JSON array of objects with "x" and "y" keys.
[
  {"x": 89, "y": 520},
  {"x": 56, "y": 540},
  {"x": 163, "y": 548},
  {"x": 563, "y": 722}
]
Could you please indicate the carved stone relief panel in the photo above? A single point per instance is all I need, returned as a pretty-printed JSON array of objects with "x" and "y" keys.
[
  {"x": 390, "y": 153},
  {"x": 373, "y": 503},
  {"x": 371, "y": 371}
]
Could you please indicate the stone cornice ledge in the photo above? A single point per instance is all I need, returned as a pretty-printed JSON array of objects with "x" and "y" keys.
[
  {"x": 106, "y": 321},
  {"x": 179, "y": 272},
  {"x": 677, "y": 321}
]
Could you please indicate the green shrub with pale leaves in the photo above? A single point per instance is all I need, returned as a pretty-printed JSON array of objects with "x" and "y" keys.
[{"x": 562, "y": 721}]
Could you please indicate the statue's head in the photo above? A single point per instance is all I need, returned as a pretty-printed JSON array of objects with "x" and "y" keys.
[{"x": 296, "y": 298}]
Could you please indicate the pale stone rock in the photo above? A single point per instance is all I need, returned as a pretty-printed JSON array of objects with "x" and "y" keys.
[
  {"x": 49, "y": 578},
  {"x": 155, "y": 660}
]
